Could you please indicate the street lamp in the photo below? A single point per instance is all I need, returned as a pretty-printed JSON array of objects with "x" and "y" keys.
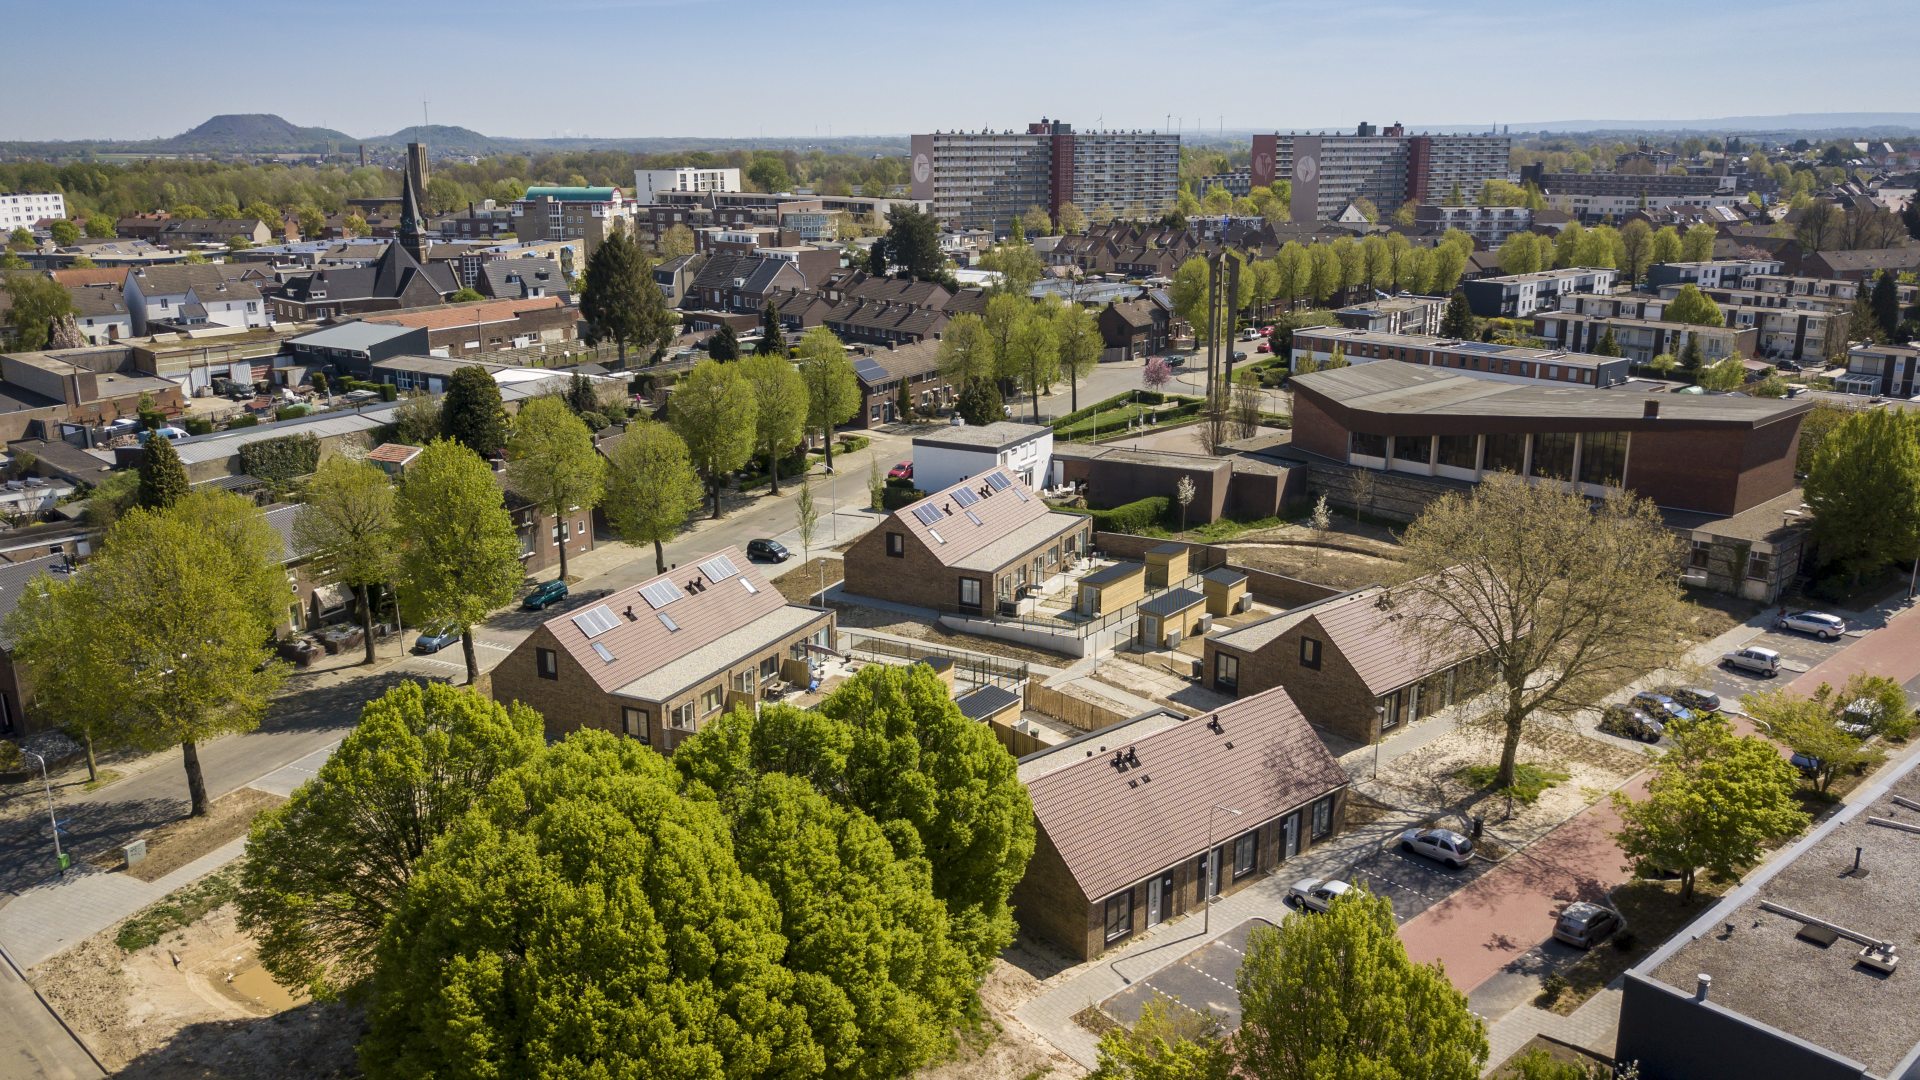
[
  {"x": 51, "y": 819},
  {"x": 1379, "y": 736},
  {"x": 1213, "y": 873}
]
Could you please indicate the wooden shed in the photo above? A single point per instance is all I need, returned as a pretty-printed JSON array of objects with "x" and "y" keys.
[
  {"x": 1112, "y": 588},
  {"x": 1170, "y": 618},
  {"x": 1226, "y": 591},
  {"x": 1166, "y": 565}
]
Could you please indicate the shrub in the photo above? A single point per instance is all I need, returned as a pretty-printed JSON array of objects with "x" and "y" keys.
[
  {"x": 1134, "y": 516},
  {"x": 282, "y": 459},
  {"x": 389, "y": 392},
  {"x": 152, "y": 419},
  {"x": 197, "y": 425},
  {"x": 893, "y": 498},
  {"x": 1555, "y": 985},
  {"x": 594, "y": 421},
  {"x": 614, "y": 411},
  {"x": 853, "y": 444},
  {"x": 319, "y": 381},
  {"x": 1529, "y": 781},
  {"x": 248, "y": 420}
]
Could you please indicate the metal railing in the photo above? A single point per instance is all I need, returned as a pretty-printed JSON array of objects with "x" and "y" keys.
[
  {"x": 1069, "y": 623},
  {"x": 976, "y": 668}
]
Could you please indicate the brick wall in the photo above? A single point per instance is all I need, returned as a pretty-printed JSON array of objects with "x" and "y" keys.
[
  {"x": 1333, "y": 697},
  {"x": 1116, "y": 483},
  {"x": 1690, "y": 470},
  {"x": 1315, "y": 431},
  {"x": 917, "y": 577}
]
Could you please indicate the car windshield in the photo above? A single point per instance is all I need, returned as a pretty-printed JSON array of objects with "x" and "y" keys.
[{"x": 1464, "y": 845}]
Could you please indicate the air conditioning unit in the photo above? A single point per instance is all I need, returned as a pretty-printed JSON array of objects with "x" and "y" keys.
[
  {"x": 1245, "y": 605},
  {"x": 1199, "y": 670},
  {"x": 1173, "y": 639},
  {"x": 1206, "y": 623}
]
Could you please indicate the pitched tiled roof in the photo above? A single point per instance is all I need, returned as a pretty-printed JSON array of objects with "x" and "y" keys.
[
  {"x": 99, "y": 301},
  {"x": 1000, "y": 513},
  {"x": 468, "y": 314},
  {"x": 97, "y": 275},
  {"x": 1114, "y": 827},
  {"x": 911, "y": 358},
  {"x": 396, "y": 453}
]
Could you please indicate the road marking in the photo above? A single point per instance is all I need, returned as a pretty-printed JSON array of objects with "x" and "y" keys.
[
  {"x": 439, "y": 663},
  {"x": 494, "y": 645}
]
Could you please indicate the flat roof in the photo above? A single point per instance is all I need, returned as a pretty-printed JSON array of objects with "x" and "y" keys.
[
  {"x": 996, "y": 436},
  {"x": 356, "y": 336},
  {"x": 1108, "y": 574},
  {"x": 1172, "y": 602}
]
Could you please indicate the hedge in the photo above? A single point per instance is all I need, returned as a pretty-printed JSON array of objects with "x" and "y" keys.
[
  {"x": 853, "y": 444},
  {"x": 1134, "y": 516},
  {"x": 249, "y": 420},
  {"x": 197, "y": 425},
  {"x": 893, "y": 498},
  {"x": 152, "y": 419},
  {"x": 389, "y": 392},
  {"x": 281, "y": 459}
]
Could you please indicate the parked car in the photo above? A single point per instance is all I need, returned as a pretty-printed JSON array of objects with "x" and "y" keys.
[
  {"x": 1762, "y": 662},
  {"x": 1583, "y": 925},
  {"x": 1239, "y": 357},
  {"x": 902, "y": 471},
  {"x": 1444, "y": 845},
  {"x": 1176, "y": 361},
  {"x": 1265, "y": 347},
  {"x": 1695, "y": 698},
  {"x": 1786, "y": 365},
  {"x": 1809, "y": 766},
  {"x": 1631, "y": 723},
  {"x": 435, "y": 638},
  {"x": 770, "y": 550},
  {"x": 1818, "y": 623},
  {"x": 544, "y": 595},
  {"x": 1661, "y": 707},
  {"x": 1316, "y": 894}
]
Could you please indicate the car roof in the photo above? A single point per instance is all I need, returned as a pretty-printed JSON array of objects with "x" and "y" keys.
[
  {"x": 1581, "y": 910},
  {"x": 1762, "y": 651},
  {"x": 1447, "y": 834}
]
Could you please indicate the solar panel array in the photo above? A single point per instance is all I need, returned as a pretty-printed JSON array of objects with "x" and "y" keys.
[
  {"x": 596, "y": 621},
  {"x": 999, "y": 481},
  {"x": 928, "y": 514},
  {"x": 966, "y": 496},
  {"x": 661, "y": 593},
  {"x": 719, "y": 568}
]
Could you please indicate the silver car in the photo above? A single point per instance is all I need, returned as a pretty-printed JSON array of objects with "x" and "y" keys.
[
  {"x": 1583, "y": 925},
  {"x": 1819, "y": 624},
  {"x": 1444, "y": 845},
  {"x": 1755, "y": 660},
  {"x": 1317, "y": 894}
]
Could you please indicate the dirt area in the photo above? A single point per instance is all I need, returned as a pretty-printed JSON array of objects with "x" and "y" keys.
[
  {"x": 1343, "y": 561},
  {"x": 1710, "y": 614},
  {"x": 1653, "y": 913},
  {"x": 1004, "y": 1048},
  {"x": 177, "y": 843},
  {"x": 1557, "y": 1052},
  {"x": 858, "y": 617},
  {"x": 196, "y": 1005},
  {"x": 800, "y": 584}
]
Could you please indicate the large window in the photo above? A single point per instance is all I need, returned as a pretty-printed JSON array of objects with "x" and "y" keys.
[
  {"x": 1244, "y": 854},
  {"x": 1119, "y": 916},
  {"x": 634, "y": 723},
  {"x": 1603, "y": 458},
  {"x": 711, "y": 700},
  {"x": 896, "y": 545},
  {"x": 1458, "y": 451},
  {"x": 1553, "y": 456},
  {"x": 1506, "y": 453},
  {"x": 1226, "y": 671},
  {"x": 1413, "y": 448},
  {"x": 1367, "y": 445},
  {"x": 1323, "y": 817},
  {"x": 969, "y": 592},
  {"x": 549, "y": 663}
]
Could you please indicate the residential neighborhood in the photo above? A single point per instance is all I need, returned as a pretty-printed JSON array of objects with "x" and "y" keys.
[{"x": 1058, "y": 588}]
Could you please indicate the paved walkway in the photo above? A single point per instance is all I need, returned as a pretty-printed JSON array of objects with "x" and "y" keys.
[
  {"x": 1594, "y": 1026},
  {"x": 34, "y": 1044}
]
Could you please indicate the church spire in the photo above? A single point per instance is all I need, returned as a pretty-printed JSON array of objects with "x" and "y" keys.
[{"x": 413, "y": 227}]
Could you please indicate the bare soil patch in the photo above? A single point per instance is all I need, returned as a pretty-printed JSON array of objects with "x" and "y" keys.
[
  {"x": 179, "y": 842},
  {"x": 1003, "y": 1048},
  {"x": 1338, "y": 568},
  {"x": 1710, "y": 614},
  {"x": 801, "y": 584}
]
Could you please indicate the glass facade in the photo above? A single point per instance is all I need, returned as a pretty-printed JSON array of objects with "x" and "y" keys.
[
  {"x": 1603, "y": 458},
  {"x": 1506, "y": 453},
  {"x": 1459, "y": 451},
  {"x": 1553, "y": 456},
  {"x": 1413, "y": 448},
  {"x": 1369, "y": 445}
]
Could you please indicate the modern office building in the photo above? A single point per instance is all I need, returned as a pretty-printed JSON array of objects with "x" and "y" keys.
[
  {"x": 987, "y": 178},
  {"x": 588, "y": 214},
  {"x": 24, "y": 209},
  {"x": 648, "y": 182},
  {"x": 1387, "y": 168}
]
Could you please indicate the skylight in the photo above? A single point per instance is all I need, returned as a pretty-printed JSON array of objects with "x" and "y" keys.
[
  {"x": 936, "y": 536},
  {"x": 603, "y": 653},
  {"x": 671, "y": 626},
  {"x": 971, "y": 516}
]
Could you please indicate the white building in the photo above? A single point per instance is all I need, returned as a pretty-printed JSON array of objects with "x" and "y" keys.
[
  {"x": 20, "y": 209},
  {"x": 648, "y": 181},
  {"x": 213, "y": 293},
  {"x": 956, "y": 453}
]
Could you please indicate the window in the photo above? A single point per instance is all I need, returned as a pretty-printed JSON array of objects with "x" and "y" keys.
[
  {"x": 1226, "y": 671},
  {"x": 1506, "y": 453},
  {"x": 1119, "y": 916},
  {"x": 1553, "y": 456},
  {"x": 1390, "y": 710},
  {"x": 1323, "y": 817},
  {"x": 896, "y": 545},
  {"x": 743, "y": 681},
  {"x": 1701, "y": 555},
  {"x": 1310, "y": 653},
  {"x": 1413, "y": 448},
  {"x": 633, "y": 722},
  {"x": 1603, "y": 458},
  {"x": 683, "y": 717},
  {"x": 769, "y": 667},
  {"x": 969, "y": 592},
  {"x": 710, "y": 701},
  {"x": 1759, "y": 566},
  {"x": 549, "y": 663},
  {"x": 1458, "y": 451},
  {"x": 1245, "y": 852},
  {"x": 1366, "y": 445}
]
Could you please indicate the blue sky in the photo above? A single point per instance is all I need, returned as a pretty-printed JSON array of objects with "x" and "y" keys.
[{"x": 609, "y": 68}]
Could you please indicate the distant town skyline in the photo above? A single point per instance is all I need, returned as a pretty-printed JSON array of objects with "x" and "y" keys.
[{"x": 669, "y": 68}]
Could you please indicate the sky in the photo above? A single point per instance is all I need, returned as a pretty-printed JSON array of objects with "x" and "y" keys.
[{"x": 748, "y": 68}]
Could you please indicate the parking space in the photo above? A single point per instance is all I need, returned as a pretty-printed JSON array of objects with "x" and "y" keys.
[
  {"x": 1412, "y": 882},
  {"x": 1799, "y": 653},
  {"x": 1203, "y": 980}
]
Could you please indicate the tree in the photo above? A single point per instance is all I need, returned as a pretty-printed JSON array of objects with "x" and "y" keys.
[
  {"x": 1864, "y": 491},
  {"x": 724, "y": 344},
  {"x": 65, "y": 233},
  {"x": 1636, "y": 241},
  {"x": 182, "y": 602},
  {"x": 459, "y": 551},
  {"x": 417, "y": 421},
  {"x": 1698, "y": 245},
  {"x": 713, "y": 410},
  {"x": 1458, "y": 321},
  {"x": 1449, "y": 262},
  {"x": 621, "y": 300},
  {"x": 1726, "y": 374},
  {"x": 1693, "y": 357},
  {"x": 471, "y": 412},
  {"x": 163, "y": 479},
  {"x": 1885, "y": 302},
  {"x": 1080, "y": 344},
  {"x": 332, "y": 864},
  {"x": 55, "y": 656},
  {"x": 1183, "y": 493},
  {"x": 1032, "y": 357},
  {"x": 1376, "y": 261},
  {"x": 1168, "y": 1042},
  {"x": 466, "y": 295},
  {"x": 980, "y": 403},
  {"x": 675, "y": 242},
  {"x": 1713, "y": 804},
  {"x": 1565, "y": 599},
  {"x": 768, "y": 174},
  {"x": 773, "y": 340},
  {"x": 1819, "y": 221},
  {"x": 1334, "y": 995},
  {"x": 313, "y": 223},
  {"x": 1667, "y": 246},
  {"x": 913, "y": 242},
  {"x": 1018, "y": 265},
  {"x": 780, "y": 409},
  {"x": 345, "y": 526},
  {"x": 1689, "y": 305},
  {"x": 1036, "y": 221},
  {"x": 1521, "y": 254},
  {"x": 651, "y": 487},
  {"x": 38, "y": 304},
  {"x": 356, "y": 226},
  {"x": 1810, "y": 726},
  {"x": 833, "y": 392},
  {"x": 551, "y": 463},
  {"x": 1456, "y": 197},
  {"x": 1072, "y": 221},
  {"x": 1608, "y": 345}
]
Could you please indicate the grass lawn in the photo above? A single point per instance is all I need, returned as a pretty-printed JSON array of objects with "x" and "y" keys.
[
  {"x": 1528, "y": 780},
  {"x": 1109, "y": 422},
  {"x": 1653, "y": 913}
]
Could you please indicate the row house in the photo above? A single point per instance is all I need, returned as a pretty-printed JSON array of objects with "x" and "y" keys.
[
  {"x": 1516, "y": 296},
  {"x": 885, "y": 322},
  {"x": 1640, "y": 340},
  {"x": 1880, "y": 370},
  {"x": 228, "y": 294},
  {"x": 395, "y": 281},
  {"x": 740, "y": 284},
  {"x": 880, "y": 372},
  {"x": 1137, "y": 328},
  {"x": 184, "y": 232}
]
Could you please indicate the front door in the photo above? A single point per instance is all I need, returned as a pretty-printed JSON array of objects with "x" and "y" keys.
[
  {"x": 1150, "y": 631},
  {"x": 1086, "y": 601},
  {"x": 1291, "y": 846},
  {"x": 1154, "y": 901}
]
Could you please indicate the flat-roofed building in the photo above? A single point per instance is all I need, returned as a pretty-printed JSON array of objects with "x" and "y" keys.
[
  {"x": 1477, "y": 359},
  {"x": 1515, "y": 296}
]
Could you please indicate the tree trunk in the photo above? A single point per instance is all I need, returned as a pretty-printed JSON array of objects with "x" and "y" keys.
[
  {"x": 773, "y": 470},
  {"x": 1073, "y": 384},
  {"x": 366, "y": 618},
  {"x": 716, "y": 499},
  {"x": 623, "y": 353},
  {"x": 659, "y": 558},
  {"x": 473, "y": 662},
  {"x": 561, "y": 536},
  {"x": 1510, "y": 749},
  {"x": 826, "y": 436},
  {"x": 1686, "y": 885},
  {"x": 93, "y": 768},
  {"x": 196, "y": 783}
]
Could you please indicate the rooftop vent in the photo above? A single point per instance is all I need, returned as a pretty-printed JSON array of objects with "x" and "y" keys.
[{"x": 1651, "y": 411}]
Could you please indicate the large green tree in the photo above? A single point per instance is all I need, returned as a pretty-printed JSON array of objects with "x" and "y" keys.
[
  {"x": 1667, "y": 246},
  {"x": 1636, "y": 242},
  {"x": 471, "y": 412},
  {"x": 1334, "y": 997},
  {"x": 552, "y": 464},
  {"x": 833, "y": 391},
  {"x": 1864, "y": 490},
  {"x": 620, "y": 299},
  {"x": 968, "y": 351},
  {"x": 163, "y": 479},
  {"x": 331, "y": 865},
  {"x": 1697, "y": 244},
  {"x": 1689, "y": 305},
  {"x": 1714, "y": 802},
  {"x": 1032, "y": 359},
  {"x": 713, "y": 409},
  {"x": 913, "y": 242},
  {"x": 773, "y": 340},
  {"x": 1169, "y": 1041},
  {"x": 1458, "y": 320},
  {"x": 37, "y": 303},
  {"x": 345, "y": 530},
  {"x": 62, "y": 683},
  {"x": 651, "y": 487},
  {"x": 1885, "y": 301},
  {"x": 459, "y": 551},
  {"x": 1078, "y": 345},
  {"x": 779, "y": 409}
]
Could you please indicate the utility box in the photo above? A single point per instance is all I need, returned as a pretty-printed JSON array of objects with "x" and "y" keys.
[{"x": 135, "y": 853}]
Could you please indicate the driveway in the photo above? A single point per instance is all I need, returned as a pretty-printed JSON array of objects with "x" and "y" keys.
[{"x": 1203, "y": 980}]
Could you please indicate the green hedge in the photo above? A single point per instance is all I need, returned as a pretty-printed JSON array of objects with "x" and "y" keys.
[
  {"x": 1134, "y": 516},
  {"x": 893, "y": 498},
  {"x": 389, "y": 392},
  {"x": 853, "y": 444},
  {"x": 152, "y": 419},
  {"x": 197, "y": 425},
  {"x": 1131, "y": 397},
  {"x": 249, "y": 420},
  {"x": 282, "y": 459}
]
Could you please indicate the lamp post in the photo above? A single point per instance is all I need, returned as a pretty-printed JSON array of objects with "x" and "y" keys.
[
  {"x": 52, "y": 820},
  {"x": 1213, "y": 873},
  {"x": 1379, "y": 736}
]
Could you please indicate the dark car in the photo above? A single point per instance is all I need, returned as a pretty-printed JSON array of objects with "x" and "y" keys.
[
  {"x": 545, "y": 594},
  {"x": 1786, "y": 365},
  {"x": 770, "y": 550},
  {"x": 1661, "y": 707},
  {"x": 902, "y": 471},
  {"x": 1695, "y": 698},
  {"x": 1631, "y": 723}
]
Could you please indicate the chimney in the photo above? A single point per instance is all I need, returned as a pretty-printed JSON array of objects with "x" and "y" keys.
[
  {"x": 1702, "y": 986},
  {"x": 1652, "y": 410}
]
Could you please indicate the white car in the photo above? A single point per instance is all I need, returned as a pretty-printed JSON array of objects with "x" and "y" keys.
[
  {"x": 1819, "y": 624},
  {"x": 1758, "y": 661},
  {"x": 1317, "y": 894},
  {"x": 1444, "y": 845}
]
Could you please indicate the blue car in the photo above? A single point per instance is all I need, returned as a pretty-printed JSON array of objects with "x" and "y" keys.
[
  {"x": 1661, "y": 706},
  {"x": 435, "y": 638}
]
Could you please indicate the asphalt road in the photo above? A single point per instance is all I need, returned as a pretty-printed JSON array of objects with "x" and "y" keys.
[{"x": 32, "y": 1043}]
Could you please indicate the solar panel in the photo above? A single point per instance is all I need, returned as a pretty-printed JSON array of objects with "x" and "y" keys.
[
  {"x": 966, "y": 496},
  {"x": 999, "y": 481},
  {"x": 666, "y": 622},
  {"x": 971, "y": 517},
  {"x": 596, "y": 621},
  {"x": 870, "y": 370},
  {"x": 602, "y": 651},
  {"x": 719, "y": 568},
  {"x": 927, "y": 513},
  {"x": 661, "y": 593}
]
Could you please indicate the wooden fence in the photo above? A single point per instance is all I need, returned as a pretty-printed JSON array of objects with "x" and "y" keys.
[{"x": 1074, "y": 712}]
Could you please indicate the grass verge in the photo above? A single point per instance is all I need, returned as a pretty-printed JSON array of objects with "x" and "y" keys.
[
  {"x": 180, "y": 908},
  {"x": 1653, "y": 913},
  {"x": 1529, "y": 781}
]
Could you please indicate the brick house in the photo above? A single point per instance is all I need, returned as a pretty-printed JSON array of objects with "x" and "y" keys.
[
  {"x": 1123, "y": 817},
  {"x": 1350, "y": 661},
  {"x": 880, "y": 370},
  {"x": 1136, "y": 328},
  {"x": 658, "y": 660},
  {"x": 491, "y": 326},
  {"x": 540, "y": 535},
  {"x": 987, "y": 535}
]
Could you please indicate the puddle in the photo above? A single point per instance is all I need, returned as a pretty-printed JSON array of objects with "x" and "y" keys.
[{"x": 255, "y": 985}]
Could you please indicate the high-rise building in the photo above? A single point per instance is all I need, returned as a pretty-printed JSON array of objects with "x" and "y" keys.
[
  {"x": 1386, "y": 167},
  {"x": 987, "y": 178}
]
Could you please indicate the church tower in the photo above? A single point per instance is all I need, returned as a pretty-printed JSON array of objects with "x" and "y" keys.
[{"x": 413, "y": 226}]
